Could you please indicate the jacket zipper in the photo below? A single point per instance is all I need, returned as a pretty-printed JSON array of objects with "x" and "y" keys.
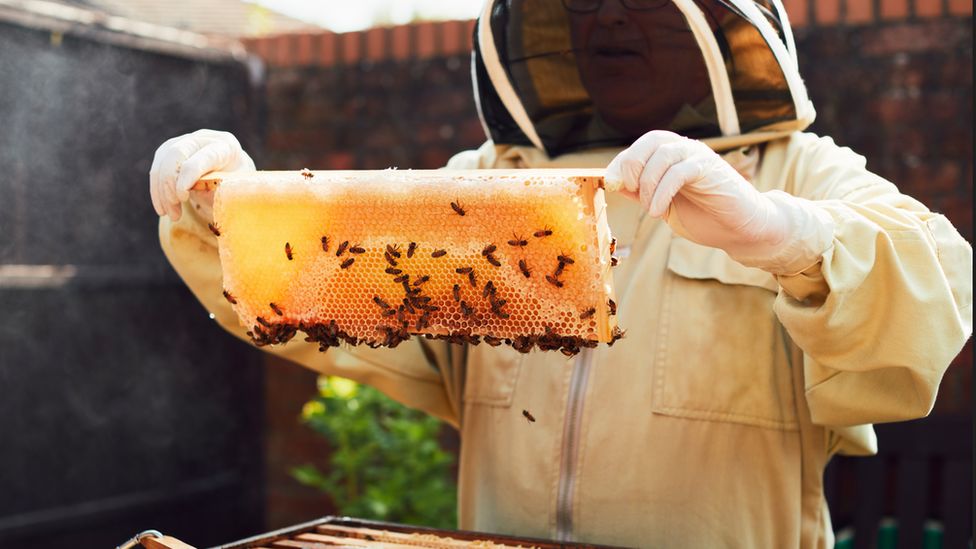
[{"x": 571, "y": 445}]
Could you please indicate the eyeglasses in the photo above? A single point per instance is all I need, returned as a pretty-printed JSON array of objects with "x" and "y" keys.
[{"x": 588, "y": 6}]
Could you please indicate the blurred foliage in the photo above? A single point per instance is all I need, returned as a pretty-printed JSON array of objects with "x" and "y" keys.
[{"x": 386, "y": 462}]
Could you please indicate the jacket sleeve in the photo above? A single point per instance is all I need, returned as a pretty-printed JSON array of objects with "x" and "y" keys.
[
  {"x": 416, "y": 373},
  {"x": 882, "y": 316}
]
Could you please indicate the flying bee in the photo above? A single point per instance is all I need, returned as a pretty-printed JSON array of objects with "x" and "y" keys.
[
  {"x": 214, "y": 228},
  {"x": 588, "y": 313},
  {"x": 463, "y": 270},
  {"x": 489, "y": 249},
  {"x": 543, "y": 233},
  {"x": 565, "y": 259},
  {"x": 466, "y": 309},
  {"x": 357, "y": 250},
  {"x": 389, "y": 259},
  {"x": 489, "y": 289},
  {"x": 342, "y": 248},
  {"x": 528, "y": 416},
  {"x": 517, "y": 241},
  {"x": 457, "y": 292},
  {"x": 276, "y": 309},
  {"x": 456, "y": 206},
  {"x": 229, "y": 297},
  {"x": 325, "y": 243},
  {"x": 401, "y": 278},
  {"x": 393, "y": 271},
  {"x": 411, "y": 249},
  {"x": 554, "y": 281},
  {"x": 524, "y": 268},
  {"x": 472, "y": 279},
  {"x": 439, "y": 253},
  {"x": 347, "y": 263},
  {"x": 288, "y": 251},
  {"x": 421, "y": 280},
  {"x": 379, "y": 301},
  {"x": 393, "y": 250},
  {"x": 493, "y": 260},
  {"x": 613, "y": 306}
]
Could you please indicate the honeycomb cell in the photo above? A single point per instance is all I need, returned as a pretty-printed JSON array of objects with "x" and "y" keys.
[{"x": 409, "y": 247}]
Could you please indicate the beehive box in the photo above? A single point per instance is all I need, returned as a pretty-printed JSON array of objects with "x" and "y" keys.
[{"x": 520, "y": 257}]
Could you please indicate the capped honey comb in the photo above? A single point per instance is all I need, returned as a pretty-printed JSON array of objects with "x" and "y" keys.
[{"x": 520, "y": 257}]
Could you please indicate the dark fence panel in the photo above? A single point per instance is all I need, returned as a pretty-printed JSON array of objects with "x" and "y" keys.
[{"x": 122, "y": 405}]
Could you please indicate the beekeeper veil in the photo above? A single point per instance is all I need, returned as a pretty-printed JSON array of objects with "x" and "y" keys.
[{"x": 565, "y": 75}]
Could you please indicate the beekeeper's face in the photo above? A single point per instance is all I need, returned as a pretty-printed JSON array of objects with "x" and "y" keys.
[{"x": 638, "y": 60}]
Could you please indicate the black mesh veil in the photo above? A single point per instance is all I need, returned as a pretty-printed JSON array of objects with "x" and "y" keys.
[{"x": 565, "y": 76}]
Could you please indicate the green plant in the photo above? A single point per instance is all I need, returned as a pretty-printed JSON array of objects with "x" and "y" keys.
[{"x": 386, "y": 462}]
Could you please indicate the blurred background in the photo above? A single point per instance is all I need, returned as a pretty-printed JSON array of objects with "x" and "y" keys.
[{"x": 124, "y": 407}]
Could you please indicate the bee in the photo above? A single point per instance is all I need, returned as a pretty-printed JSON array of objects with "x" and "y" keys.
[
  {"x": 569, "y": 351},
  {"x": 500, "y": 314},
  {"x": 389, "y": 259},
  {"x": 489, "y": 249},
  {"x": 472, "y": 279},
  {"x": 423, "y": 321},
  {"x": 489, "y": 289},
  {"x": 565, "y": 259},
  {"x": 614, "y": 261},
  {"x": 379, "y": 301},
  {"x": 613, "y": 245},
  {"x": 411, "y": 249},
  {"x": 463, "y": 270},
  {"x": 357, "y": 250},
  {"x": 276, "y": 309},
  {"x": 456, "y": 206},
  {"x": 263, "y": 322},
  {"x": 517, "y": 241},
  {"x": 401, "y": 278},
  {"x": 421, "y": 280},
  {"x": 325, "y": 243},
  {"x": 524, "y": 268},
  {"x": 393, "y": 250},
  {"x": 493, "y": 341},
  {"x": 559, "y": 269},
  {"x": 214, "y": 228},
  {"x": 588, "y": 313},
  {"x": 229, "y": 297},
  {"x": 342, "y": 248},
  {"x": 493, "y": 260},
  {"x": 613, "y": 306},
  {"x": 554, "y": 281},
  {"x": 307, "y": 173},
  {"x": 543, "y": 233},
  {"x": 347, "y": 263},
  {"x": 498, "y": 303},
  {"x": 439, "y": 253},
  {"x": 528, "y": 416},
  {"x": 466, "y": 309},
  {"x": 457, "y": 292},
  {"x": 408, "y": 306},
  {"x": 399, "y": 314},
  {"x": 393, "y": 271},
  {"x": 288, "y": 251}
]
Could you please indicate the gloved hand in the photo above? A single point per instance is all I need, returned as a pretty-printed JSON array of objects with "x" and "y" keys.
[
  {"x": 182, "y": 160},
  {"x": 704, "y": 199}
]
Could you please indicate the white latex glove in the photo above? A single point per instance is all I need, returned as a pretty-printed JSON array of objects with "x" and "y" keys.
[
  {"x": 704, "y": 199},
  {"x": 182, "y": 160}
]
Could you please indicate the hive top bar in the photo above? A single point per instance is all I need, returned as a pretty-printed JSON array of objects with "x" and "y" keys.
[{"x": 520, "y": 257}]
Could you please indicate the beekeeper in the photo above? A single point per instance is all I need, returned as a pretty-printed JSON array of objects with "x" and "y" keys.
[{"x": 778, "y": 297}]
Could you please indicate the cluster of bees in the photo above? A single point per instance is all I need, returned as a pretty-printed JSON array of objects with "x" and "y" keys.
[{"x": 413, "y": 312}]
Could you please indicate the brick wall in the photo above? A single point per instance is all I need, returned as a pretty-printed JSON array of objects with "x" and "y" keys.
[{"x": 892, "y": 79}]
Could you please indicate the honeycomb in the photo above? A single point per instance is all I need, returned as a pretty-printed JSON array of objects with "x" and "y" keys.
[{"x": 516, "y": 257}]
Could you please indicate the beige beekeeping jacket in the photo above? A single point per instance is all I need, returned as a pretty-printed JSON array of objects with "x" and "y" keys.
[{"x": 710, "y": 423}]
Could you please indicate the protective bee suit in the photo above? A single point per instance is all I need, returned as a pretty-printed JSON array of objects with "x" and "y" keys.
[{"x": 710, "y": 423}]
